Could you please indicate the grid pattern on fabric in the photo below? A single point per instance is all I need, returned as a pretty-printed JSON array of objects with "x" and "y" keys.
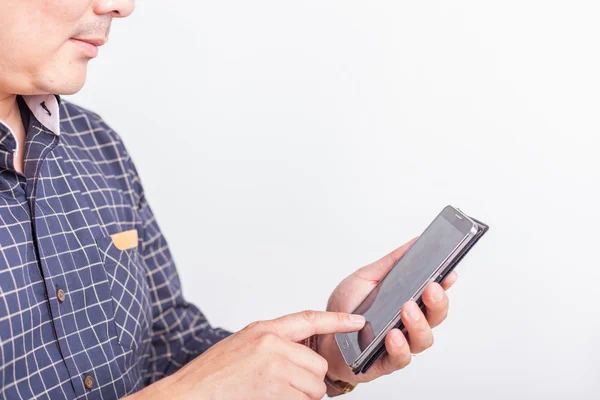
[{"x": 121, "y": 318}]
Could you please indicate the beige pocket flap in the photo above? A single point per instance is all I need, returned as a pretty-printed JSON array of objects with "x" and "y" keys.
[{"x": 125, "y": 240}]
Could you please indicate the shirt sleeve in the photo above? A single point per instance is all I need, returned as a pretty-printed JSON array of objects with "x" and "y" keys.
[{"x": 180, "y": 331}]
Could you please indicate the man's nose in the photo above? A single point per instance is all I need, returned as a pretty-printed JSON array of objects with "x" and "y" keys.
[{"x": 116, "y": 8}]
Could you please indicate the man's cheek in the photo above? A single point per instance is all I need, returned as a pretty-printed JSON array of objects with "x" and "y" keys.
[{"x": 63, "y": 12}]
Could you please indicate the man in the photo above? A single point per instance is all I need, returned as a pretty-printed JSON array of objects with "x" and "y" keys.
[{"x": 90, "y": 301}]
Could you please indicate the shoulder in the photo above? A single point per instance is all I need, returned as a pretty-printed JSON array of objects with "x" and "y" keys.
[
  {"x": 88, "y": 138},
  {"x": 79, "y": 121}
]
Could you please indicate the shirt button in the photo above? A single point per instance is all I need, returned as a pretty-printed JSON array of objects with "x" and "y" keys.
[
  {"x": 60, "y": 295},
  {"x": 88, "y": 382}
]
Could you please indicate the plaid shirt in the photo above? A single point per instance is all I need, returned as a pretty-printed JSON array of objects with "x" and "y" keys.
[{"x": 80, "y": 318}]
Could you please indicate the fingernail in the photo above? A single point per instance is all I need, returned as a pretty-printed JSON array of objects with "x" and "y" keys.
[
  {"x": 397, "y": 340},
  {"x": 358, "y": 319},
  {"x": 438, "y": 293},
  {"x": 413, "y": 312}
]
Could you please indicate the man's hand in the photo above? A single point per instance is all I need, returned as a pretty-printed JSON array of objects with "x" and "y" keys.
[
  {"x": 351, "y": 292},
  {"x": 262, "y": 361}
]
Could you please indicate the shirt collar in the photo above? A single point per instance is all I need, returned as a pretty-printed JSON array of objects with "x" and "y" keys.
[{"x": 46, "y": 109}]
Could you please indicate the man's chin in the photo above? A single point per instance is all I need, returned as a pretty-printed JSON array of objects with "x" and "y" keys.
[
  {"x": 69, "y": 81},
  {"x": 68, "y": 88},
  {"x": 68, "y": 91}
]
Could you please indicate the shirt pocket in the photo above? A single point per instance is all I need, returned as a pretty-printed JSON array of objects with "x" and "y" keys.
[{"x": 130, "y": 294}]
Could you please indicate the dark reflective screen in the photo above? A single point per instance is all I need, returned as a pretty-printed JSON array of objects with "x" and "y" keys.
[{"x": 407, "y": 276}]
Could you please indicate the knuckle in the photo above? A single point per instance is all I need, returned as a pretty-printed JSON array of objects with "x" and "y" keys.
[
  {"x": 444, "y": 303},
  {"x": 322, "y": 367},
  {"x": 310, "y": 316},
  {"x": 423, "y": 328},
  {"x": 341, "y": 317},
  {"x": 261, "y": 327},
  {"x": 267, "y": 340},
  {"x": 253, "y": 325}
]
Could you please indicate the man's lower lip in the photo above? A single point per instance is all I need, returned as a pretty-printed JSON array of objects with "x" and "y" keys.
[{"x": 88, "y": 49}]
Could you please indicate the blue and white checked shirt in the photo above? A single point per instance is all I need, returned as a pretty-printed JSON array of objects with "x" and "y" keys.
[{"x": 122, "y": 322}]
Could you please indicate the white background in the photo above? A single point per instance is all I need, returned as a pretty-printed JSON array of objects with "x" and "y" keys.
[{"x": 284, "y": 144}]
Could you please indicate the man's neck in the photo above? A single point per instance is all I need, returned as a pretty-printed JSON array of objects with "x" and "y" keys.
[
  {"x": 11, "y": 116},
  {"x": 9, "y": 108}
]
